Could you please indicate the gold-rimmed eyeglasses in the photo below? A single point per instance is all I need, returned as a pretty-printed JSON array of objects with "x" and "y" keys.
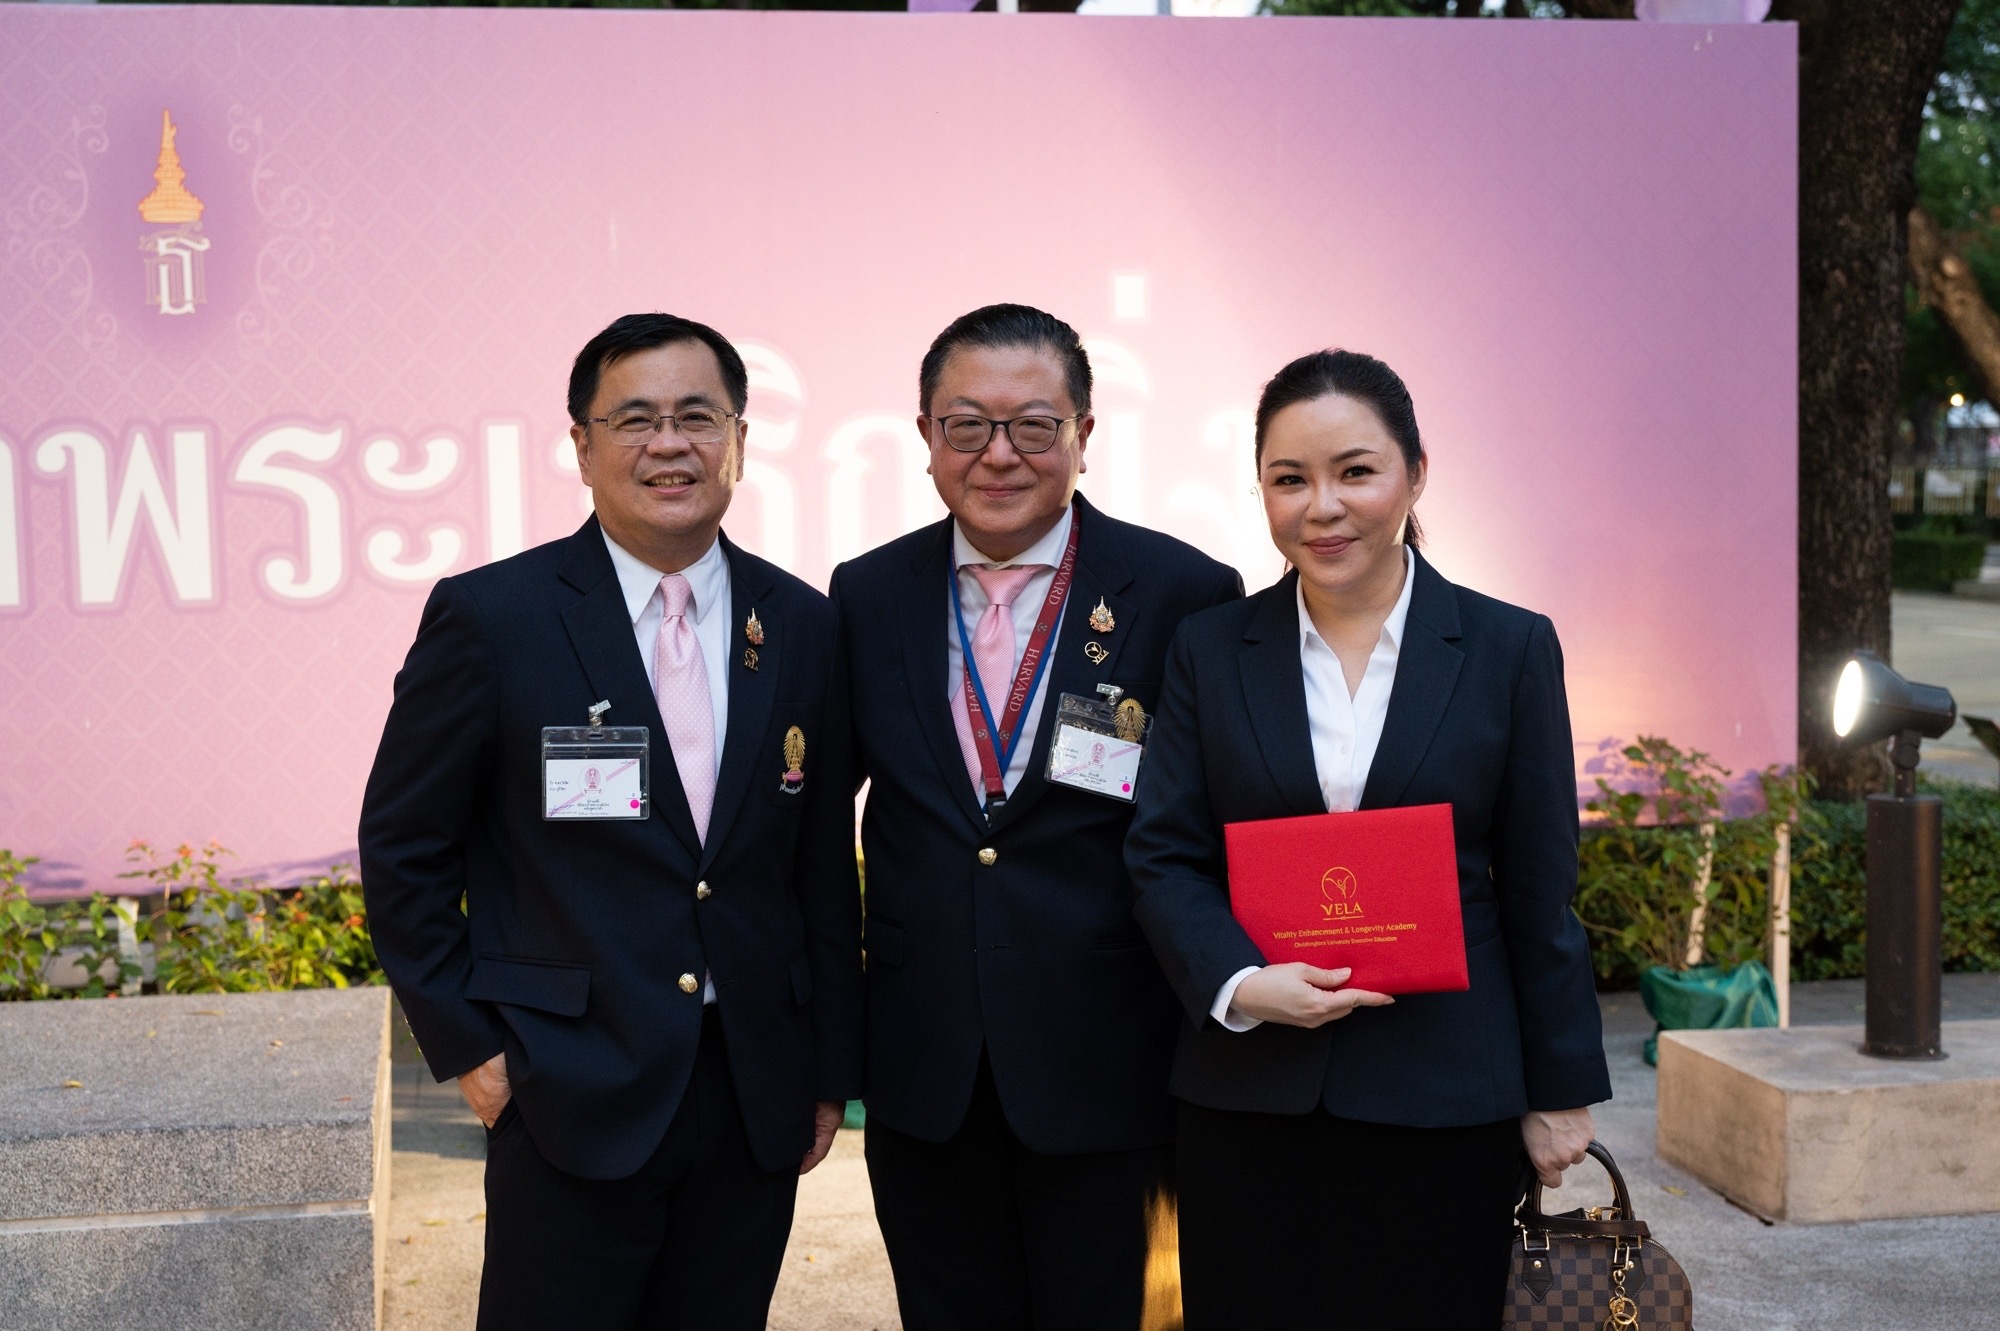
[
  {"x": 636, "y": 426},
  {"x": 1028, "y": 434}
]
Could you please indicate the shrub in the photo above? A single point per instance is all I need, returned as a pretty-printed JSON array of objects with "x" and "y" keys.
[
  {"x": 1639, "y": 866},
  {"x": 32, "y": 935},
  {"x": 1830, "y": 886},
  {"x": 243, "y": 936},
  {"x": 1635, "y": 897},
  {"x": 1931, "y": 561}
]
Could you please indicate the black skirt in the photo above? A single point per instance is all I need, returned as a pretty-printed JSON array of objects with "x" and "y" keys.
[{"x": 1314, "y": 1223}]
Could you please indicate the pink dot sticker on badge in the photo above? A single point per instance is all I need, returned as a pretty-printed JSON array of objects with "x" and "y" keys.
[
  {"x": 1125, "y": 786},
  {"x": 635, "y": 804}
]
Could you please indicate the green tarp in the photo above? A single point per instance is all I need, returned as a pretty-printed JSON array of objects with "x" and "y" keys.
[{"x": 1707, "y": 998}]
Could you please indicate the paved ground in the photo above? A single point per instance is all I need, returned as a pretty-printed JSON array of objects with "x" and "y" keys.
[
  {"x": 1954, "y": 641},
  {"x": 1749, "y": 1276},
  {"x": 1897, "y": 1275}
]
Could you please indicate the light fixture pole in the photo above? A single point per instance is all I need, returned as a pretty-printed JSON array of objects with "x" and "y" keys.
[{"x": 1905, "y": 853}]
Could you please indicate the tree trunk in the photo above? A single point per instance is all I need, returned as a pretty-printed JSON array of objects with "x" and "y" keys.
[
  {"x": 1945, "y": 283},
  {"x": 1865, "y": 67}
]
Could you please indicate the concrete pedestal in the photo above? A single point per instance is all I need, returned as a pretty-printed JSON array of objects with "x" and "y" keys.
[
  {"x": 1799, "y": 1125},
  {"x": 213, "y": 1161}
]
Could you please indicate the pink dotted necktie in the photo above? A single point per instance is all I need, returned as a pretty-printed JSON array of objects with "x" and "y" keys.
[
  {"x": 993, "y": 652},
  {"x": 680, "y": 684}
]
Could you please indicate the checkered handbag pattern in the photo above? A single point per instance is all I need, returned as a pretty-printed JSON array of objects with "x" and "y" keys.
[
  {"x": 1592, "y": 1270},
  {"x": 1575, "y": 1293}
]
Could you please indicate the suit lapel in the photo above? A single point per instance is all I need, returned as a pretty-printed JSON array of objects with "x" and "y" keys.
[
  {"x": 1101, "y": 572},
  {"x": 925, "y": 621},
  {"x": 600, "y": 631},
  {"x": 1427, "y": 666},
  {"x": 752, "y": 693},
  {"x": 1274, "y": 691}
]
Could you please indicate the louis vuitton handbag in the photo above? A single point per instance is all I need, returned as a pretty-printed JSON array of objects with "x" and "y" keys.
[{"x": 1592, "y": 1270}]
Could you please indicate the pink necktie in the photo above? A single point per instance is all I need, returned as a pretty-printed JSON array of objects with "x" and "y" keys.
[
  {"x": 680, "y": 684},
  {"x": 993, "y": 653}
]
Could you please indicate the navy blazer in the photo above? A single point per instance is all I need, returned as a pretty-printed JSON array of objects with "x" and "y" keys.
[
  {"x": 1034, "y": 958},
  {"x": 1478, "y": 720},
  {"x": 574, "y": 935}
]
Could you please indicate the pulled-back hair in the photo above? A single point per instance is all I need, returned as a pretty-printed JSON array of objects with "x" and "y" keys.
[
  {"x": 1351, "y": 374},
  {"x": 630, "y": 333},
  {"x": 1008, "y": 326}
]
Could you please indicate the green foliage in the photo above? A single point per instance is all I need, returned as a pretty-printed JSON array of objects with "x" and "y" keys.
[
  {"x": 1930, "y": 558},
  {"x": 1958, "y": 183},
  {"x": 1830, "y": 891},
  {"x": 1635, "y": 894},
  {"x": 32, "y": 935},
  {"x": 1662, "y": 819},
  {"x": 27, "y": 938},
  {"x": 243, "y": 936}
]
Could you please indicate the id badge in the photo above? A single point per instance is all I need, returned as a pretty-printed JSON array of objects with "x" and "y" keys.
[
  {"x": 595, "y": 772},
  {"x": 1099, "y": 743}
]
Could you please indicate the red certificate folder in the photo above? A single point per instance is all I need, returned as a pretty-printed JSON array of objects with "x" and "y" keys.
[{"x": 1376, "y": 890}]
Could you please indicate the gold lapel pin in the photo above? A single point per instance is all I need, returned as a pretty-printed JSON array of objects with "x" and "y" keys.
[
  {"x": 749, "y": 658},
  {"x": 753, "y": 629},
  {"x": 794, "y": 779},
  {"x": 1100, "y": 618},
  {"x": 1095, "y": 651}
]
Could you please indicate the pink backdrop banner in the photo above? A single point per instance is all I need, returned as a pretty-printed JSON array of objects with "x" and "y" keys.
[{"x": 236, "y": 452}]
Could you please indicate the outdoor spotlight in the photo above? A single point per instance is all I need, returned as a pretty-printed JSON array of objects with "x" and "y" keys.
[{"x": 1871, "y": 702}]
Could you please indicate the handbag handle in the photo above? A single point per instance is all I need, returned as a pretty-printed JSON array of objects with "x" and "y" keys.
[{"x": 1626, "y": 1226}]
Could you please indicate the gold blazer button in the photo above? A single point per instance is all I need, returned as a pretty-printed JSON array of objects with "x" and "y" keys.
[
  {"x": 988, "y": 856},
  {"x": 689, "y": 984}
]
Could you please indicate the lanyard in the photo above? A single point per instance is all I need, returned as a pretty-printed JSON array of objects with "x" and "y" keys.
[{"x": 994, "y": 758}]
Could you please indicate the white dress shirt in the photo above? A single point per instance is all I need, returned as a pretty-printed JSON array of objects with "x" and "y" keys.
[
  {"x": 708, "y": 579},
  {"x": 1346, "y": 730},
  {"x": 972, "y": 597}
]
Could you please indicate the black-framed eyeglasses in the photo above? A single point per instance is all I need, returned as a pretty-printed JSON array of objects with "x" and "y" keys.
[
  {"x": 1029, "y": 434},
  {"x": 636, "y": 426}
]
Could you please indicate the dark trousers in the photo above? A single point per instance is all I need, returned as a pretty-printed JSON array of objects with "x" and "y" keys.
[
  {"x": 1316, "y": 1223},
  {"x": 692, "y": 1242},
  {"x": 987, "y": 1235}
]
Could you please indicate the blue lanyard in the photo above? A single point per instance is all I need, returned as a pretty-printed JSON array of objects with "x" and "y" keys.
[{"x": 1004, "y": 745}]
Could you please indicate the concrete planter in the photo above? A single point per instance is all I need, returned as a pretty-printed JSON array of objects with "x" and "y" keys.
[{"x": 216, "y": 1160}]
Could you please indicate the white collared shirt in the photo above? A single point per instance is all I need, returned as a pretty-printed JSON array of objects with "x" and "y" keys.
[
  {"x": 972, "y": 598},
  {"x": 708, "y": 578},
  {"x": 708, "y": 604},
  {"x": 1346, "y": 730}
]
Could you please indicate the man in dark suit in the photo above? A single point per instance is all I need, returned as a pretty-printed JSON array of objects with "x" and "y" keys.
[
  {"x": 1019, "y": 1030},
  {"x": 657, "y": 1016}
]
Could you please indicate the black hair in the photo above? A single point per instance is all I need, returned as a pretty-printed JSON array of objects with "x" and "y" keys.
[
  {"x": 1008, "y": 326},
  {"x": 1350, "y": 374},
  {"x": 642, "y": 332}
]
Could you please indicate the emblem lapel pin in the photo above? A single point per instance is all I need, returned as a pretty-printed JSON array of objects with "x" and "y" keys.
[{"x": 794, "y": 779}]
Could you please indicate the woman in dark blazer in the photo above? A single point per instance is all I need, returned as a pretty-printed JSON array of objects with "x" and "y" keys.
[{"x": 1347, "y": 1159}]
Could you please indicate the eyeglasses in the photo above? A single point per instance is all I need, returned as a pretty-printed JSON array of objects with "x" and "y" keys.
[
  {"x": 1029, "y": 434},
  {"x": 636, "y": 426}
]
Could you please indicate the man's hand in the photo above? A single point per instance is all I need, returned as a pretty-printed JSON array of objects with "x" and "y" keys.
[
  {"x": 1296, "y": 994},
  {"x": 486, "y": 1089},
  {"x": 827, "y": 1116},
  {"x": 1556, "y": 1139}
]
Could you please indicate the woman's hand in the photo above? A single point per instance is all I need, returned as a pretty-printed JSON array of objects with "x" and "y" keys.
[
  {"x": 1296, "y": 994},
  {"x": 1556, "y": 1139}
]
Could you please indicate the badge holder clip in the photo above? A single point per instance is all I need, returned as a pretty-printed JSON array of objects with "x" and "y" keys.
[
  {"x": 1099, "y": 743},
  {"x": 596, "y": 772}
]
